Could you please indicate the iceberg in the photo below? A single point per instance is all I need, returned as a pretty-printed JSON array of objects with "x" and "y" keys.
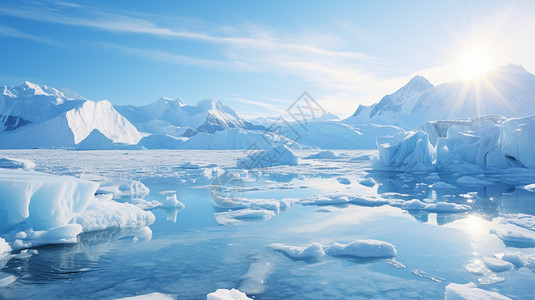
[
  {"x": 470, "y": 146},
  {"x": 40, "y": 208},
  {"x": 404, "y": 151}
]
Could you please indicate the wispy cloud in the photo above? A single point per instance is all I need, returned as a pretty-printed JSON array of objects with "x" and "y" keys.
[
  {"x": 306, "y": 56},
  {"x": 12, "y": 32}
]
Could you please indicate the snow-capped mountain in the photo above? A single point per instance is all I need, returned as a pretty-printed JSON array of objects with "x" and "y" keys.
[
  {"x": 33, "y": 116},
  {"x": 174, "y": 117},
  {"x": 508, "y": 91}
]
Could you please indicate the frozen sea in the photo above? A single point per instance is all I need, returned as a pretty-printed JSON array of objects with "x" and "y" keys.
[{"x": 210, "y": 245}]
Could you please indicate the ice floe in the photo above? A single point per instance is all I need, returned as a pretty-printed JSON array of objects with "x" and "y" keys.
[
  {"x": 358, "y": 249},
  {"x": 456, "y": 291},
  {"x": 16, "y": 163},
  {"x": 276, "y": 156},
  {"x": 40, "y": 208},
  {"x": 224, "y": 294},
  {"x": 513, "y": 233}
]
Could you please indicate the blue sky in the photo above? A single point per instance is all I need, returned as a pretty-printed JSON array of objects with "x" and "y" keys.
[{"x": 256, "y": 56}]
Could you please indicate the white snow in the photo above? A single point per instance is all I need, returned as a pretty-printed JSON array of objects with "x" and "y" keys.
[
  {"x": 362, "y": 248},
  {"x": 278, "y": 155},
  {"x": 123, "y": 187},
  {"x": 462, "y": 146},
  {"x": 55, "y": 209},
  {"x": 513, "y": 233},
  {"x": 224, "y": 294},
  {"x": 470, "y": 291},
  {"x": 497, "y": 265},
  {"x": 16, "y": 163},
  {"x": 70, "y": 126},
  {"x": 404, "y": 151},
  {"x": 312, "y": 252},
  {"x": 172, "y": 202},
  {"x": 143, "y": 234},
  {"x": 358, "y": 248},
  {"x": 325, "y": 155},
  {"x": 5, "y": 249},
  {"x": 419, "y": 101}
]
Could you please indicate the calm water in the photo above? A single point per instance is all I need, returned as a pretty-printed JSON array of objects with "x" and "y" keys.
[{"x": 191, "y": 255}]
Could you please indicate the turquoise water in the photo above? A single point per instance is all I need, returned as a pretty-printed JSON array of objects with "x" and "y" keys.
[{"x": 195, "y": 255}]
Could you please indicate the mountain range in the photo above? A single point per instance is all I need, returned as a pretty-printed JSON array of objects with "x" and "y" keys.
[
  {"x": 507, "y": 91},
  {"x": 33, "y": 116}
]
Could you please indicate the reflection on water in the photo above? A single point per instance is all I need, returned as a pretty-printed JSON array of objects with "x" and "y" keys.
[{"x": 191, "y": 255}]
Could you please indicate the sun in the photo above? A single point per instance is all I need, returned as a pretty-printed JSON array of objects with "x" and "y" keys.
[{"x": 475, "y": 63}]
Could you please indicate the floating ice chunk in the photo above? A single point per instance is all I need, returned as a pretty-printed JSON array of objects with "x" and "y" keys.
[
  {"x": 143, "y": 234},
  {"x": 447, "y": 207},
  {"x": 343, "y": 180},
  {"x": 362, "y": 248},
  {"x": 369, "y": 182},
  {"x": 414, "y": 204},
  {"x": 172, "y": 202},
  {"x": 41, "y": 200},
  {"x": 530, "y": 187},
  {"x": 337, "y": 199},
  {"x": 492, "y": 279},
  {"x": 223, "y": 294},
  {"x": 120, "y": 188},
  {"x": 235, "y": 217},
  {"x": 151, "y": 296},
  {"x": 404, "y": 151},
  {"x": 522, "y": 220},
  {"x": 516, "y": 258},
  {"x": 358, "y": 248},
  {"x": 6, "y": 280},
  {"x": 444, "y": 207},
  {"x": 471, "y": 181},
  {"x": 456, "y": 291},
  {"x": 476, "y": 267},
  {"x": 442, "y": 186},
  {"x": 497, "y": 265},
  {"x": 5, "y": 249},
  {"x": 105, "y": 213},
  {"x": 424, "y": 274},
  {"x": 255, "y": 279},
  {"x": 16, "y": 163},
  {"x": 325, "y": 155},
  {"x": 279, "y": 155},
  {"x": 313, "y": 252},
  {"x": 513, "y": 233}
]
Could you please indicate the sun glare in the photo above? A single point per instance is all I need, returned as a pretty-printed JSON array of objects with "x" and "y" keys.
[{"x": 474, "y": 63}]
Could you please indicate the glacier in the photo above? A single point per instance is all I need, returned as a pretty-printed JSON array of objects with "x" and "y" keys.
[
  {"x": 470, "y": 146},
  {"x": 39, "y": 208}
]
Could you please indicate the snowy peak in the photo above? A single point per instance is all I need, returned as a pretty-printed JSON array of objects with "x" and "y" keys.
[
  {"x": 173, "y": 116},
  {"x": 30, "y": 89},
  {"x": 507, "y": 91},
  {"x": 416, "y": 84}
]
